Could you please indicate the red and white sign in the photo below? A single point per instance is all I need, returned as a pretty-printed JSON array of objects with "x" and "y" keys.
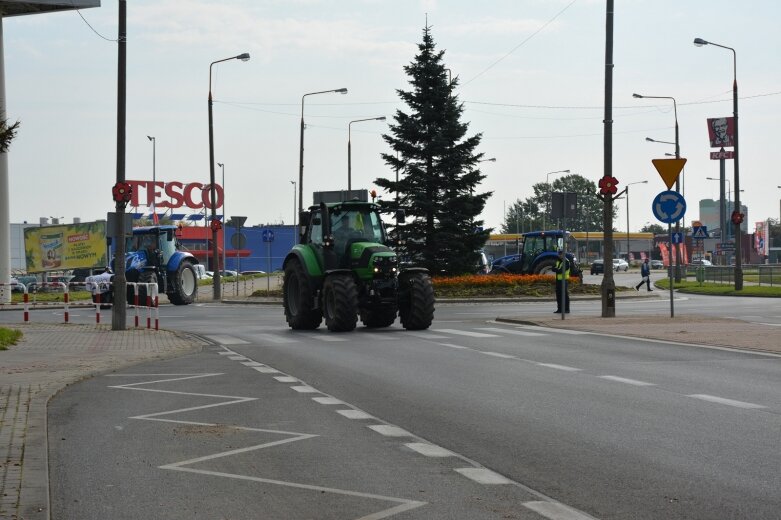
[
  {"x": 176, "y": 194},
  {"x": 722, "y": 155},
  {"x": 721, "y": 131}
]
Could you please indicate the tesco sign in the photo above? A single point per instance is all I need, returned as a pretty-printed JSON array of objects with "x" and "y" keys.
[{"x": 175, "y": 194}]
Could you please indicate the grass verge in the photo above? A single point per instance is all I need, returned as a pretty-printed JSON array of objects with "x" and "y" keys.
[
  {"x": 9, "y": 337},
  {"x": 717, "y": 289}
]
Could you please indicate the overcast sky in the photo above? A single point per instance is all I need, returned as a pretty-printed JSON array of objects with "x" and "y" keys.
[{"x": 532, "y": 81}]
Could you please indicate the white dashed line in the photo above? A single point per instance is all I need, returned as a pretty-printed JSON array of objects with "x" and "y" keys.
[
  {"x": 467, "y": 333},
  {"x": 251, "y": 363},
  {"x": 305, "y": 389},
  {"x": 237, "y": 358},
  {"x": 559, "y": 367},
  {"x": 266, "y": 370},
  {"x": 354, "y": 414},
  {"x": 450, "y": 345},
  {"x": 497, "y": 354},
  {"x": 729, "y": 402},
  {"x": 286, "y": 379},
  {"x": 511, "y": 331},
  {"x": 429, "y": 450},
  {"x": 483, "y": 476},
  {"x": 327, "y": 400},
  {"x": 390, "y": 431},
  {"x": 634, "y": 382},
  {"x": 556, "y": 511},
  {"x": 227, "y": 353}
]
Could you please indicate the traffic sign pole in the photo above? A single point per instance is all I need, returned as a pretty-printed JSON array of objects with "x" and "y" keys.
[{"x": 670, "y": 270}]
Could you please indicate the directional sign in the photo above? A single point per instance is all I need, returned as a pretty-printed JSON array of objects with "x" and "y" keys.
[
  {"x": 669, "y": 169},
  {"x": 677, "y": 238},
  {"x": 268, "y": 235},
  {"x": 669, "y": 207},
  {"x": 700, "y": 232}
]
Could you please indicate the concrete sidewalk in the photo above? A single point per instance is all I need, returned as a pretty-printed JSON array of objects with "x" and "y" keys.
[{"x": 52, "y": 356}]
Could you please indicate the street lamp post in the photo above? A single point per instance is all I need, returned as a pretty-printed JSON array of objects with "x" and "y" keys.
[
  {"x": 301, "y": 145},
  {"x": 294, "y": 209},
  {"x": 627, "y": 215},
  {"x": 224, "y": 212},
  {"x": 548, "y": 202},
  {"x": 215, "y": 252},
  {"x": 349, "y": 147},
  {"x": 677, "y": 180},
  {"x": 154, "y": 146},
  {"x": 699, "y": 42}
]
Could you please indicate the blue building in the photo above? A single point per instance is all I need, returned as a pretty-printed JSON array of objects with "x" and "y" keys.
[{"x": 256, "y": 254}]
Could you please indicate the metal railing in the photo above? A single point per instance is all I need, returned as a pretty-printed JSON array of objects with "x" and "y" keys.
[{"x": 761, "y": 275}]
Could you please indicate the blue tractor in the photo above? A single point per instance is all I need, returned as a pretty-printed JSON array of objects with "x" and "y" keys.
[
  {"x": 153, "y": 256},
  {"x": 539, "y": 252}
]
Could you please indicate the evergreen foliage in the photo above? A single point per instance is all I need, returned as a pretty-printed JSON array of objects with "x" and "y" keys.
[{"x": 437, "y": 170}]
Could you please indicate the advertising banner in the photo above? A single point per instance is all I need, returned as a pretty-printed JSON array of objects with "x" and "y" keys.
[
  {"x": 56, "y": 248},
  {"x": 721, "y": 131}
]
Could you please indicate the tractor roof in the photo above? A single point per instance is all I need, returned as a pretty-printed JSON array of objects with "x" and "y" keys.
[{"x": 149, "y": 229}]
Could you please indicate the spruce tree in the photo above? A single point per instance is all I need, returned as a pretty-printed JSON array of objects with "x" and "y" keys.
[{"x": 437, "y": 170}]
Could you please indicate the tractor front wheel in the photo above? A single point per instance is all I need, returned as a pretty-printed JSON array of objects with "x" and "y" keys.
[
  {"x": 340, "y": 303},
  {"x": 416, "y": 309}
]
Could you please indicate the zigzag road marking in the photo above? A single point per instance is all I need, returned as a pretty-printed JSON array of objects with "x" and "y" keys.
[{"x": 402, "y": 503}]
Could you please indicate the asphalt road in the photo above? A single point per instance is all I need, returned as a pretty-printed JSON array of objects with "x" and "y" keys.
[{"x": 568, "y": 425}]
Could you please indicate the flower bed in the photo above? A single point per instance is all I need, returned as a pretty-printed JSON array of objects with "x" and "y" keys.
[{"x": 500, "y": 285}]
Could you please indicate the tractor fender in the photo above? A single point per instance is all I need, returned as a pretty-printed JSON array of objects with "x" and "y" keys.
[
  {"x": 177, "y": 258},
  {"x": 307, "y": 258}
]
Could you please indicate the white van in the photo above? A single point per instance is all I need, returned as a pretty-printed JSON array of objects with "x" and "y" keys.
[{"x": 200, "y": 271}]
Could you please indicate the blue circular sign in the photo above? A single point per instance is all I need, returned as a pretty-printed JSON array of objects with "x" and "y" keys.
[
  {"x": 268, "y": 235},
  {"x": 669, "y": 207}
]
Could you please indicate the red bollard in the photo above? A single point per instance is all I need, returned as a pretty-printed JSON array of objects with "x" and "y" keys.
[
  {"x": 66, "y": 299},
  {"x": 97, "y": 308},
  {"x": 26, "y": 299}
]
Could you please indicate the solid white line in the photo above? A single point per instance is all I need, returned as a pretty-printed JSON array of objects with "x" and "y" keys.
[
  {"x": 327, "y": 400},
  {"x": 511, "y": 331},
  {"x": 450, "y": 345},
  {"x": 305, "y": 389},
  {"x": 354, "y": 414},
  {"x": 730, "y": 402},
  {"x": 556, "y": 511},
  {"x": 286, "y": 379},
  {"x": 226, "y": 340},
  {"x": 390, "y": 431},
  {"x": 483, "y": 476},
  {"x": 429, "y": 450},
  {"x": 560, "y": 367},
  {"x": 497, "y": 354},
  {"x": 467, "y": 333},
  {"x": 634, "y": 382}
]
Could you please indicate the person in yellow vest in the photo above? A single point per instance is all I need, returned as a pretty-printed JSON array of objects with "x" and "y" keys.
[{"x": 561, "y": 268}]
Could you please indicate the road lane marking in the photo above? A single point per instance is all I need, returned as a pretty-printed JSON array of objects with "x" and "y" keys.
[
  {"x": 429, "y": 450},
  {"x": 251, "y": 363},
  {"x": 305, "y": 389},
  {"x": 327, "y": 400},
  {"x": 483, "y": 476},
  {"x": 354, "y": 414},
  {"x": 275, "y": 338},
  {"x": 634, "y": 382},
  {"x": 390, "y": 431},
  {"x": 238, "y": 358},
  {"x": 559, "y": 367},
  {"x": 729, "y": 402},
  {"x": 511, "y": 331},
  {"x": 556, "y": 511},
  {"x": 266, "y": 370},
  {"x": 226, "y": 340},
  {"x": 286, "y": 379},
  {"x": 450, "y": 345},
  {"x": 425, "y": 335},
  {"x": 551, "y": 330},
  {"x": 324, "y": 337},
  {"x": 497, "y": 354},
  {"x": 468, "y": 333}
]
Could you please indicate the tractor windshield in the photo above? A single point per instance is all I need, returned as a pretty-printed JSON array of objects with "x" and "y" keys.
[{"x": 361, "y": 224}]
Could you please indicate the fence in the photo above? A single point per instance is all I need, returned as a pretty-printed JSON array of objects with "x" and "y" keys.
[
  {"x": 762, "y": 274},
  {"x": 150, "y": 290}
]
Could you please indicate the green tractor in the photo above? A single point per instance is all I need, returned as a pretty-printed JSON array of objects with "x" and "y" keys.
[{"x": 342, "y": 269}]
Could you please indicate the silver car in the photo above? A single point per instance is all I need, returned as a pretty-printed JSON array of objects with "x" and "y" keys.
[{"x": 619, "y": 264}]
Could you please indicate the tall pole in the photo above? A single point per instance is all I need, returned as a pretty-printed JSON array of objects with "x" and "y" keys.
[
  {"x": 119, "y": 309},
  {"x": 608, "y": 288},
  {"x": 301, "y": 146},
  {"x": 5, "y": 198},
  {"x": 224, "y": 212},
  {"x": 212, "y": 189},
  {"x": 738, "y": 242},
  {"x": 295, "y": 215},
  {"x": 349, "y": 147}
]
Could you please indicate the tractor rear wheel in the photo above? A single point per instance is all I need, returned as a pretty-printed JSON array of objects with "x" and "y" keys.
[
  {"x": 416, "y": 309},
  {"x": 298, "y": 299},
  {"x": 545, "y": 267},
  {"x": 185, "y": 284},
  {"x": 340, "y": 302}
]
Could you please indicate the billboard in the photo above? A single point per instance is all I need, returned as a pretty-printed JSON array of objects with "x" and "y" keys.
[
  {"x": 721, "y": 131},
  {"x": 68, "y": 246}
]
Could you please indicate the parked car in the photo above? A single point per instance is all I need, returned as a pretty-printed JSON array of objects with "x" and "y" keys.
[
  {"x": 598, "y": 266},
  {"x": 700, "y": 261},
  {"x": 200, "y": 271},
  {"x": 656, "y": 264},
  {"x": 619, "y": 264},
  {"x": 228, "y": 273},
  {"x": 16, "y": 288},
  {"x": 251, "y": 273}
]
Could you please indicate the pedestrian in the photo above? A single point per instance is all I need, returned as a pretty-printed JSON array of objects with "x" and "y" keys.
[
  {"x": 645, "y": 272},
  {"x": 561, "y": 268}
]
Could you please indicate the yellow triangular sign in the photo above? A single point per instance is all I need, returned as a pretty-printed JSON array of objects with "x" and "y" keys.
[{"x": 669, "y": 169}]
